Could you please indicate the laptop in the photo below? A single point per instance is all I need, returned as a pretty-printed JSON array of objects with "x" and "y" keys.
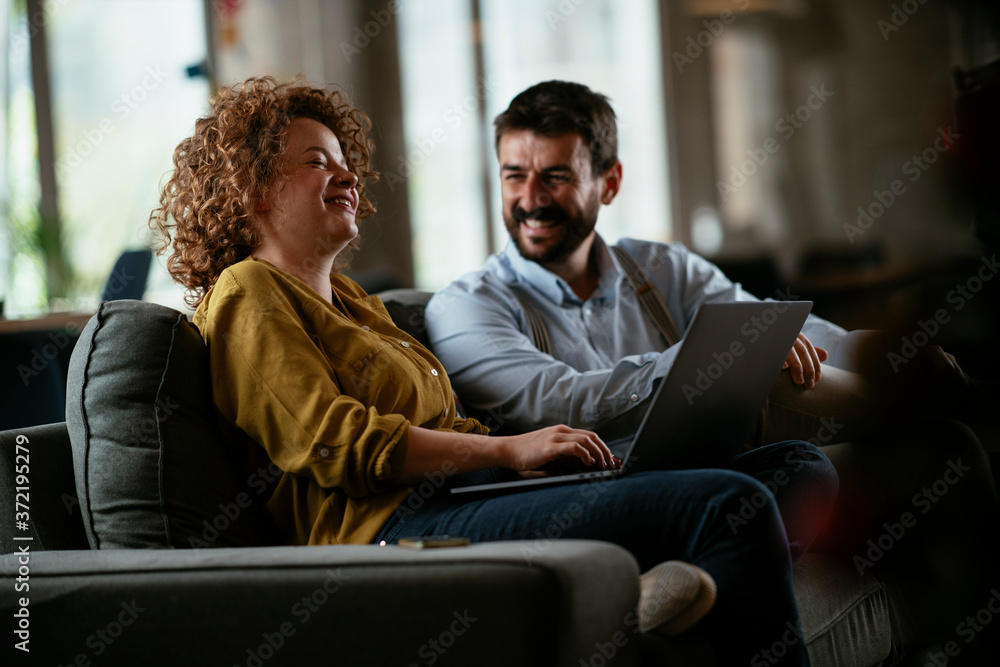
[{"x": 702, "y": 411}]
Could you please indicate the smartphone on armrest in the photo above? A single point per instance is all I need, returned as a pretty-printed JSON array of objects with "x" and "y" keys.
[{"x": 433, "y": 541}]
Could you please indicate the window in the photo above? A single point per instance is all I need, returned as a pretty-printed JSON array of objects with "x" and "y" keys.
[
  {"x": 22, "y": 265},
  {"x": 122, "y": 99},
  {"x": 450, "y": 168}
]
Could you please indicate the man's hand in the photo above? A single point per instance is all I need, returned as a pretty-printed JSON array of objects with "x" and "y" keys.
[{"x": 803, "y": 362}]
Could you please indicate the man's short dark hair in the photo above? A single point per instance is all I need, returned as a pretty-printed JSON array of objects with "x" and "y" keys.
[{"x": 552, "y": 108}]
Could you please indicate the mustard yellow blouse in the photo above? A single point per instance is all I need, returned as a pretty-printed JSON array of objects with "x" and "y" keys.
[{"x": 328, "y": 390}]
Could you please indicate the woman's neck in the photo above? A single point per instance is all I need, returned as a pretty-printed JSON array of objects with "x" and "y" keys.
[{"x": 313, "y": 272}]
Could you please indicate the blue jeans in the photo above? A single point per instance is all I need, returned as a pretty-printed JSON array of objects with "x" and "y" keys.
[{"x": 726, "y": 521}]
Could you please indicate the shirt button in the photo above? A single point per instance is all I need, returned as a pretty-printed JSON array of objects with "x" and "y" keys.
[
  {"x": 434, "y": 372},
  {"x": 366, "y": 328},
  {"x": 404, "y": 343},
  {"x": 634, "y": 397}
]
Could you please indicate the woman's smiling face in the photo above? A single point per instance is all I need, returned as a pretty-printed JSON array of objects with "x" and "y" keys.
[{"x": 315, "y": 211}]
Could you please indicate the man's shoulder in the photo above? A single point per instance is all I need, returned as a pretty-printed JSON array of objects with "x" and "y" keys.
[
  {"x": 643, "y": 248},
  {"x": 495, "y": 277},
  {"x": 476, "y": 297},
  {"x": 656, "y": 256}
]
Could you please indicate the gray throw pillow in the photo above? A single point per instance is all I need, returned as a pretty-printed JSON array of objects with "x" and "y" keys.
[{"x": 152, "y": 467}]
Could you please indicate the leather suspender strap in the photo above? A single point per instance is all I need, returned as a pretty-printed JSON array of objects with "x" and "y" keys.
[
  {"x": 539, "y": 334},
  {"x": 650, "y": 299}
]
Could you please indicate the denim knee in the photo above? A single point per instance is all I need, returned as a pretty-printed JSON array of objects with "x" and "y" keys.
[
  {"x": 792, "y": 464},
  {"x": 811, "y": 460},
  {"x": 798, "y": 453},
  {"x": 745, "y": 502}
]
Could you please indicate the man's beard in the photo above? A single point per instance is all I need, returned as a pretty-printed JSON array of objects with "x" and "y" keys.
[{"x": 572, "y": 233}]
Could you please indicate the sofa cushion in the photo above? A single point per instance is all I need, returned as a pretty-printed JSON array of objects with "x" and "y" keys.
[
  {"x": 36, "y": 468},
  {"x": 350, "y": 605},
  {"x": 406, "y": 308},
  {"x": 152, "y": 468},
  {"x": 844, "y": 616}
]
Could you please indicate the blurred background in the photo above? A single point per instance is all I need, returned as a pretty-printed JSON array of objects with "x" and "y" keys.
[{"x": 840, "y": 150}]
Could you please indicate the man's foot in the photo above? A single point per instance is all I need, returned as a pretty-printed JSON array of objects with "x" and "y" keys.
[{"x": 673, "y": 596}]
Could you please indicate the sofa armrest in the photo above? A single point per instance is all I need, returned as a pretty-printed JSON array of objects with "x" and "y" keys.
[
  {"x": 504, "y": 603},
  {"x": 43, "y": 454}
]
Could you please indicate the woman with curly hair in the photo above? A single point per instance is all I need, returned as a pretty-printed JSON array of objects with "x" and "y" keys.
[
  {"x": 233, "y": 162},
  {"x": 310, "y": 371}
]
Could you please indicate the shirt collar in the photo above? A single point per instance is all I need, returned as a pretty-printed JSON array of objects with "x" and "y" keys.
[{"x": 555, "y": 288}]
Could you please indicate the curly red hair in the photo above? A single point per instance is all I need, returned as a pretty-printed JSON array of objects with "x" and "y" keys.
[{"x": 232, "y": 162}]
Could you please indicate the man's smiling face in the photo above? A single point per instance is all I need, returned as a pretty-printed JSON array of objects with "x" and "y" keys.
[{"x": 550, "y": 195}]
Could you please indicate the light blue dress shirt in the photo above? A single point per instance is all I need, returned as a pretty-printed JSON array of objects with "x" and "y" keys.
[{"x": 606, "y": 352}]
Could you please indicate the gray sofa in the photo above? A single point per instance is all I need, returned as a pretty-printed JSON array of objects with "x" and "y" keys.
[{"x": 145, "y": 542}]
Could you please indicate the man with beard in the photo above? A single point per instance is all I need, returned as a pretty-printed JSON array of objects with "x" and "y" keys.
[
  {"x": 559, "y": 328},
  {"x": 557, "y": 147}
]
